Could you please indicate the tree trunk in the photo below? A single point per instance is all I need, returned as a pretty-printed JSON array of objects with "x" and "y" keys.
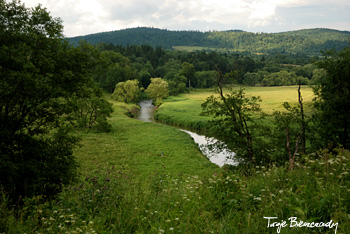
[{"x": 303, "y": 137}]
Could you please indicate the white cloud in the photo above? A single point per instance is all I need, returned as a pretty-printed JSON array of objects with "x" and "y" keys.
[{"x": 82, "y": 17}]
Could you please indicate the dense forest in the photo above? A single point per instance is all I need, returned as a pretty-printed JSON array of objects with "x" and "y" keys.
[
  {"x": 307, "y": 41},
  {"x": 198, "y": 69}
]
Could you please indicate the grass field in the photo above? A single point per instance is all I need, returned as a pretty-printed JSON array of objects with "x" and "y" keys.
[
  {"x": 184, "y": 110},
  {"x": 151, "y": 178},
  {"x": 144, "y": 147}
]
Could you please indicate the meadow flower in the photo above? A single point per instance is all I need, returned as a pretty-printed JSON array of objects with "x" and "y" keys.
[
  {"x": 171, "y": 229},
  {"x": 168, "y": 221}
]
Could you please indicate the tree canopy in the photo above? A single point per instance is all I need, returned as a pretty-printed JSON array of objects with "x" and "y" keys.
[
  {"x": 157, "y": 90},
  {"x": 41, "y": 77},
  {"x": 333, "y": 99}
]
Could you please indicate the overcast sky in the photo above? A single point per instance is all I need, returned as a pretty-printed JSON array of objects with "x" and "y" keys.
[{"x": 82, "y": 17}]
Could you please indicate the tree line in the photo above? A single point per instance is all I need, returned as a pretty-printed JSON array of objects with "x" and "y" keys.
[
  {"x": 307, "y": 41},
  {"x": 198, "y": 69}
]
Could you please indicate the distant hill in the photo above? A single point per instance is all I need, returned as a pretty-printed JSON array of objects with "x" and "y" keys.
[{"x": 306, "y": 41}]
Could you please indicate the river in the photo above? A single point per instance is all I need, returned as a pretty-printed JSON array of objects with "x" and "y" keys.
[{"x": 215, "y": 155}]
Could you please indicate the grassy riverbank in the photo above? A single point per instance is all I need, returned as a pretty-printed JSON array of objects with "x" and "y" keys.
[
  {"x": 151, "y": 178},
  {"x": 184, "y": 110}
]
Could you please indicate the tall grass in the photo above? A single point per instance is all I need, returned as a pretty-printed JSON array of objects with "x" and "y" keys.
[
  {"x": 151, "y": 178},
  {"x": 116, "y": 201},
  {"x": 185, "y": 110}
]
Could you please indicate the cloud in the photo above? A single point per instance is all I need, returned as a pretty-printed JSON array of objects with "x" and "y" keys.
[{"x": 81, "y": 17}]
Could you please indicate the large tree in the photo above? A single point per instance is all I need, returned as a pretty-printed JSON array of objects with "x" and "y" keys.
[
  {"x": 40, "y": 75},
  {"x": 333, "y": 100},
  {"x": 128, "y": 91},
  {"x": 157, "y": 90}
]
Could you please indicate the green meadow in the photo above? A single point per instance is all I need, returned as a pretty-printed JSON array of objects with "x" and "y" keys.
[
  {"x": 185, "y": 110},
  {"x": 151, "y": 178}
]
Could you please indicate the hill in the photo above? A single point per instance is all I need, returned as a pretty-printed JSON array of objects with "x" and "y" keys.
[{"x": 306, "y": 41}]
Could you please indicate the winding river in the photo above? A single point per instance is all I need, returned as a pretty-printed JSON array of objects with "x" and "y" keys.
[{"x": 215, "y": 155}]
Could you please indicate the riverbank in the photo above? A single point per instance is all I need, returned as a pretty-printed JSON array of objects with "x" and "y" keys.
[
  {"x": 206, "y": 145},
  {"x": 185, "y": 110},
  {"x": 128, "y": 186}
]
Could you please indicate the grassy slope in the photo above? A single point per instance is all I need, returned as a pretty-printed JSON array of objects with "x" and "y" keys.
[
  {"x": 127, "y": 187},
  {"x": 184, "y": 110},
  {"x": 143, "y": 147}
]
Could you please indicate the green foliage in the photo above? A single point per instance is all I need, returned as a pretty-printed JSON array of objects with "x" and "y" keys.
[
  {"x": 177, "y": 84},
  {"x": 235, "y": 125},
  {"x": 113, "y": 69},
  {"x": 127, "y": 91},
  {"x": 310, "y": 41},
  {"x": 90, "y": 113},
  {"x": 188, "y": 71},
  {"x": 39, "y": 76},
  {"x": 114, "y": 198},
  {"x": 333, "y": 100},
  {"x": 287, "y": 134},
  {"x": 206, "y": 79},
  {"x": 157, "y": 90},
  {"x": 282, "y": 78}
]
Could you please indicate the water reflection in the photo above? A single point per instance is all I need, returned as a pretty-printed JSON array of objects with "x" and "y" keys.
[
  {"x": 205, "y": 144},
  {"x": 147, "y": 111},
  {"x": 214, "y": 154}
]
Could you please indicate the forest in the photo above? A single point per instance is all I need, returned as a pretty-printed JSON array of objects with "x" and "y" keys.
[
  {"x": 307, "y": 41},
  {"x": 73, "y": 159}
]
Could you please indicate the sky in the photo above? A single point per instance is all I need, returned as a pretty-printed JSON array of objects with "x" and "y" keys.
[{"x": 82, "y": 17}]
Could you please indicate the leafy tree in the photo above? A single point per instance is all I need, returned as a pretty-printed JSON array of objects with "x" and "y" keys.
[
  {"x": 317, "y": 76},
  {"x": 127, "y": 91},
  {"x": 206, "y": 79},
  {"x": 251, "y": 79},
  {"x": 293, "y": 125},
  {"x": 157, "y": 90},
  {"x": 333, "y": 100},
  {"x": 189, "y": 71},
  {"x": 39, "y": 75},
  {"x": 177, "y": 85},
  {"x": 114, "y": 68},
  {"x": 91, "y": 112},
  {"x": 235, "y": 125}
]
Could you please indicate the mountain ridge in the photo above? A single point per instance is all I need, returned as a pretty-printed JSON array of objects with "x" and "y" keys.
[{"x": 307, "y": 41}]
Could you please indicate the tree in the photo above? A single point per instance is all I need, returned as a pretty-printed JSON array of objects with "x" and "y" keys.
[
  {"x": 189, "y": 71},
  {"x": 177, "y": 85},
  {"x": 206, "y": 79},
  {"x": 157, "y": 90},
  {"x": 235, "y": 125},
  {"x": 251, "y": 79},
  {"x": 40, "y": 74},
  {"x": 127, "y": 91},
  {"x": 333, "y": 100}
]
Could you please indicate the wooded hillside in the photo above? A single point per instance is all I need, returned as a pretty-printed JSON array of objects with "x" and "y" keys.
[{"x": 307, "y": 41}]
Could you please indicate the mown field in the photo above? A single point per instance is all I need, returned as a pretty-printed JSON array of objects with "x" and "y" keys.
[
  {"x": 151, "y": 178},
  {"x": 185, "y": 110}
]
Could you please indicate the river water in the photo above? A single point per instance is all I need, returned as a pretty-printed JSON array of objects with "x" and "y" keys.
[{"x": 205, "y": 144}]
